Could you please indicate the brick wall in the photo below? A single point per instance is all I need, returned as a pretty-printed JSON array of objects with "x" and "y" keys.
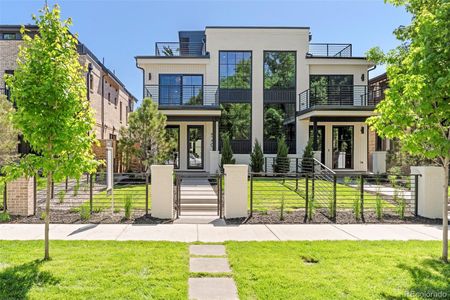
[{"x": 20, "y": 197}]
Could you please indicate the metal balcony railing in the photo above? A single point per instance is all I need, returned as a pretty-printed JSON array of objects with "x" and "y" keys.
[
  {"x": 189, "y": 49},
  {"x": 330, "y": 50},
  {"x": 183, "y": 95},
  {"x": 337, "y": 95}
]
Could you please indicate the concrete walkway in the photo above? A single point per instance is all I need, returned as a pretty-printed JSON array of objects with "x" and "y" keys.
[
  {"x": 219, "y": 233},
  {"x": 210, "y": 260}
]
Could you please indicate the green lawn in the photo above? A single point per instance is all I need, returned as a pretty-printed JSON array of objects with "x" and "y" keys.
[
  {"x": 94, "y": 270},
  {"x": 268, "y": 193},
  {"x": 344, "y": 270},
  {"x": 136, "y": 192}
]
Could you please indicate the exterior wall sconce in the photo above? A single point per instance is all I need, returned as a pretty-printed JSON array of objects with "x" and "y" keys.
[
  {"x": 362, "y": 77},
  {"x": 149, "y": 76},
  {"x": 362, "y": 129}
]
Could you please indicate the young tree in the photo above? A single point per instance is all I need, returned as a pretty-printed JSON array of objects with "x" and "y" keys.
[
  {"x": 227, "y": 152},
  {"x": 8, "y": 134},
  {"x": 126, "y": 147},
  {"x": 416, "y": 109},
  {"x": 257, "y": 158},
  {"x": 53, "y": 113},
  {"x": 147, "y": 130}
]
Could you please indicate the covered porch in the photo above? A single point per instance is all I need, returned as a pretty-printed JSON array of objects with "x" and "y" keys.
[{"x": 196, "y": 136}]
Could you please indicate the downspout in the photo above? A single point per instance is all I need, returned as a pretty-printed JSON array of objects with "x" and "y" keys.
[
  {"x": 88, "y": 81},
  {"x": 143, "y": 79}
]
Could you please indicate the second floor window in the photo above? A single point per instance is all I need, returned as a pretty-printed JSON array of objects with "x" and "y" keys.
[
  {"x": 235, "y": 69},
  {"x": 279, "y": 69},
  {"x": 180, "y": 89}
]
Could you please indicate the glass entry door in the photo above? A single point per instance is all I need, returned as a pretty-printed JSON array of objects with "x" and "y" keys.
[
  {"x": 195, "y": 147},
  {"x": 343, "y": 147}
]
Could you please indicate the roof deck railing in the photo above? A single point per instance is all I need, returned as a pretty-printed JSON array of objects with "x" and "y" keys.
[
  {"x": 190, "y": 49},
  {"x": 330, "y": 50}
]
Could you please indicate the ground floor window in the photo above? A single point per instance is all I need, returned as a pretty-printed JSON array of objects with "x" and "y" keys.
[
  {"x": 279, "y": 120},
  {"x": 236, "y": 122},
  {"x": 343, "y": 147},
  {"x": 320, "y": 140},
  {"x": 173, "y": 134}
]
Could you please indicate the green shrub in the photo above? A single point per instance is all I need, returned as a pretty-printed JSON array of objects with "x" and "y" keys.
[
  {"x": 357, "y": 206},
  {"x": 116, "y": 210},
  {"x": 257, "y": 158},
  {"x": 61, "y": 195},
  {"x": 4, "y": 217},
  {"x": 379, "y": 206},
  {"x": 85, "y": 214},
  {"x": 128, "y": 206},
  {"x": 43, "y": 215},
  {"x": 76, "y": 188},
  {"x": 227, "y": 152},
  {"x": 282, "y": 161},
  {"x": 307, "y": 158},
  {"x": 311, "y": 209}
]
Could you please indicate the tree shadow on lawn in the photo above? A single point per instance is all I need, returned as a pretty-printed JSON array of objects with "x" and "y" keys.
[
  {"x": 430, "y": 280},
  {"x": 17, "y": 281}
]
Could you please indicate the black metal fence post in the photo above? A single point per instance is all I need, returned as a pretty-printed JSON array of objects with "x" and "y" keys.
[
  {"x": 306, "y": 198},
  {"x": 334, "y": 197},
  {"x": 362, "y": 197},
  {"x": 265, "y": 164},
  {"x": 296, "y": 181},
  {"x": 91, "y": 194},
  {"x": 146, "y": 193},
  {"x": 416, "y": 195},
  {"x": 67, "y": 183},
  {"x": 251, "y": 194},
  {"x": 53, "y": 189}
]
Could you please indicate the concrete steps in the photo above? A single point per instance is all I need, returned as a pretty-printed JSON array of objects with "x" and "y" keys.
[{"x": 197, "y": 198}]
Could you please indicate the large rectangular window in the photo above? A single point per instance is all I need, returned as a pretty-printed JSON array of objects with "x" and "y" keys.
[
  {"x": 331, "y": 89},
  {"x": 235, "y": 121},
  {"x": 235, "y": 69},
  {"x": 342, "y": 147},
  {"x": 279, "y": 70},
  {"x": 279, "y": 120},
  {"x": 179, "y": 89}
]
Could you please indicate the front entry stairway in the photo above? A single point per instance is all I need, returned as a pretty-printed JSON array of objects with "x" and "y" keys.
[{"x": 197, "y": 198}]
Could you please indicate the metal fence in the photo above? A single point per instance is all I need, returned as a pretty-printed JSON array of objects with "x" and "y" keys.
[
  {"x": 129, "y": 194},
  {"x": 314, "y": 189}
]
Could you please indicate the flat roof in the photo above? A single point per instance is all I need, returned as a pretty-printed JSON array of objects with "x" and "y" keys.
[{"x": 257, "y": 27}]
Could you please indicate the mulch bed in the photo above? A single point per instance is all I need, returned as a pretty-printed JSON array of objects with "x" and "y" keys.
[
  {"x": 105, "y": 217},
  {"x": 342, "y": 217},
  {"x": 269, "y": 217}
]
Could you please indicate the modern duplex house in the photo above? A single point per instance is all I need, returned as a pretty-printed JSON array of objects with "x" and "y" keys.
[
  {"x": 258, "y": 83},
  {"x": 109, "y": 98}
]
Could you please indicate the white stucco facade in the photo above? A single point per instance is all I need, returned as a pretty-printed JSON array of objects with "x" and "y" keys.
[{"x": 257, "y": 40}]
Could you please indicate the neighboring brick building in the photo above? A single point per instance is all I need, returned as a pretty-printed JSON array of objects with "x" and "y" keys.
[{"x": 109, "y": 98}]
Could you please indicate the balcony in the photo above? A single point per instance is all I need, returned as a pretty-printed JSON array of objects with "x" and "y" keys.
[
  {"x": 353, "y": 97},
  {"x": 279, "y": 95},
  {"x": 329, "y": 50},
  {"x": 187, "y": 96},
  {"x": 180, "y": 49}
]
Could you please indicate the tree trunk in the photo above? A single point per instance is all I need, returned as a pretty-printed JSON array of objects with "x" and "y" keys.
[
  {"x": 445, "y": 215},
  {"x": 47, "y": 214}
]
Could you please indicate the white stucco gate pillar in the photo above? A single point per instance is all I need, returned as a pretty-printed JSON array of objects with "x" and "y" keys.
[
  {"x": 235, "y": 191},
  {"x": 162, "y": 191},
  {"x": 430, "y": 191}
]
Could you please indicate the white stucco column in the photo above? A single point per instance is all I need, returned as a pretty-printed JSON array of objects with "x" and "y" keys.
[
  {"x": 162, "y": 191},
  {"x": 379, "y": 162},
  {"x": 213, "y": 162},
  {"x": 430, "y": 191},
  {"x": 235, "y": 191}
]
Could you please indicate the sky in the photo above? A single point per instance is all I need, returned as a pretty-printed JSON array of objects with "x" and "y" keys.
[{"x": 118, "y": 30}]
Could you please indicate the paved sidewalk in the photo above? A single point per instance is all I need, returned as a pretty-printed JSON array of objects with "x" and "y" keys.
[{"x": 221, "y": 233}]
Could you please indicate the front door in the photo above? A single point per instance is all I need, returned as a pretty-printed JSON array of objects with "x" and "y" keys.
[
  {"x": 343, "y": 147},
  {"x": 195, "y": 147}
]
